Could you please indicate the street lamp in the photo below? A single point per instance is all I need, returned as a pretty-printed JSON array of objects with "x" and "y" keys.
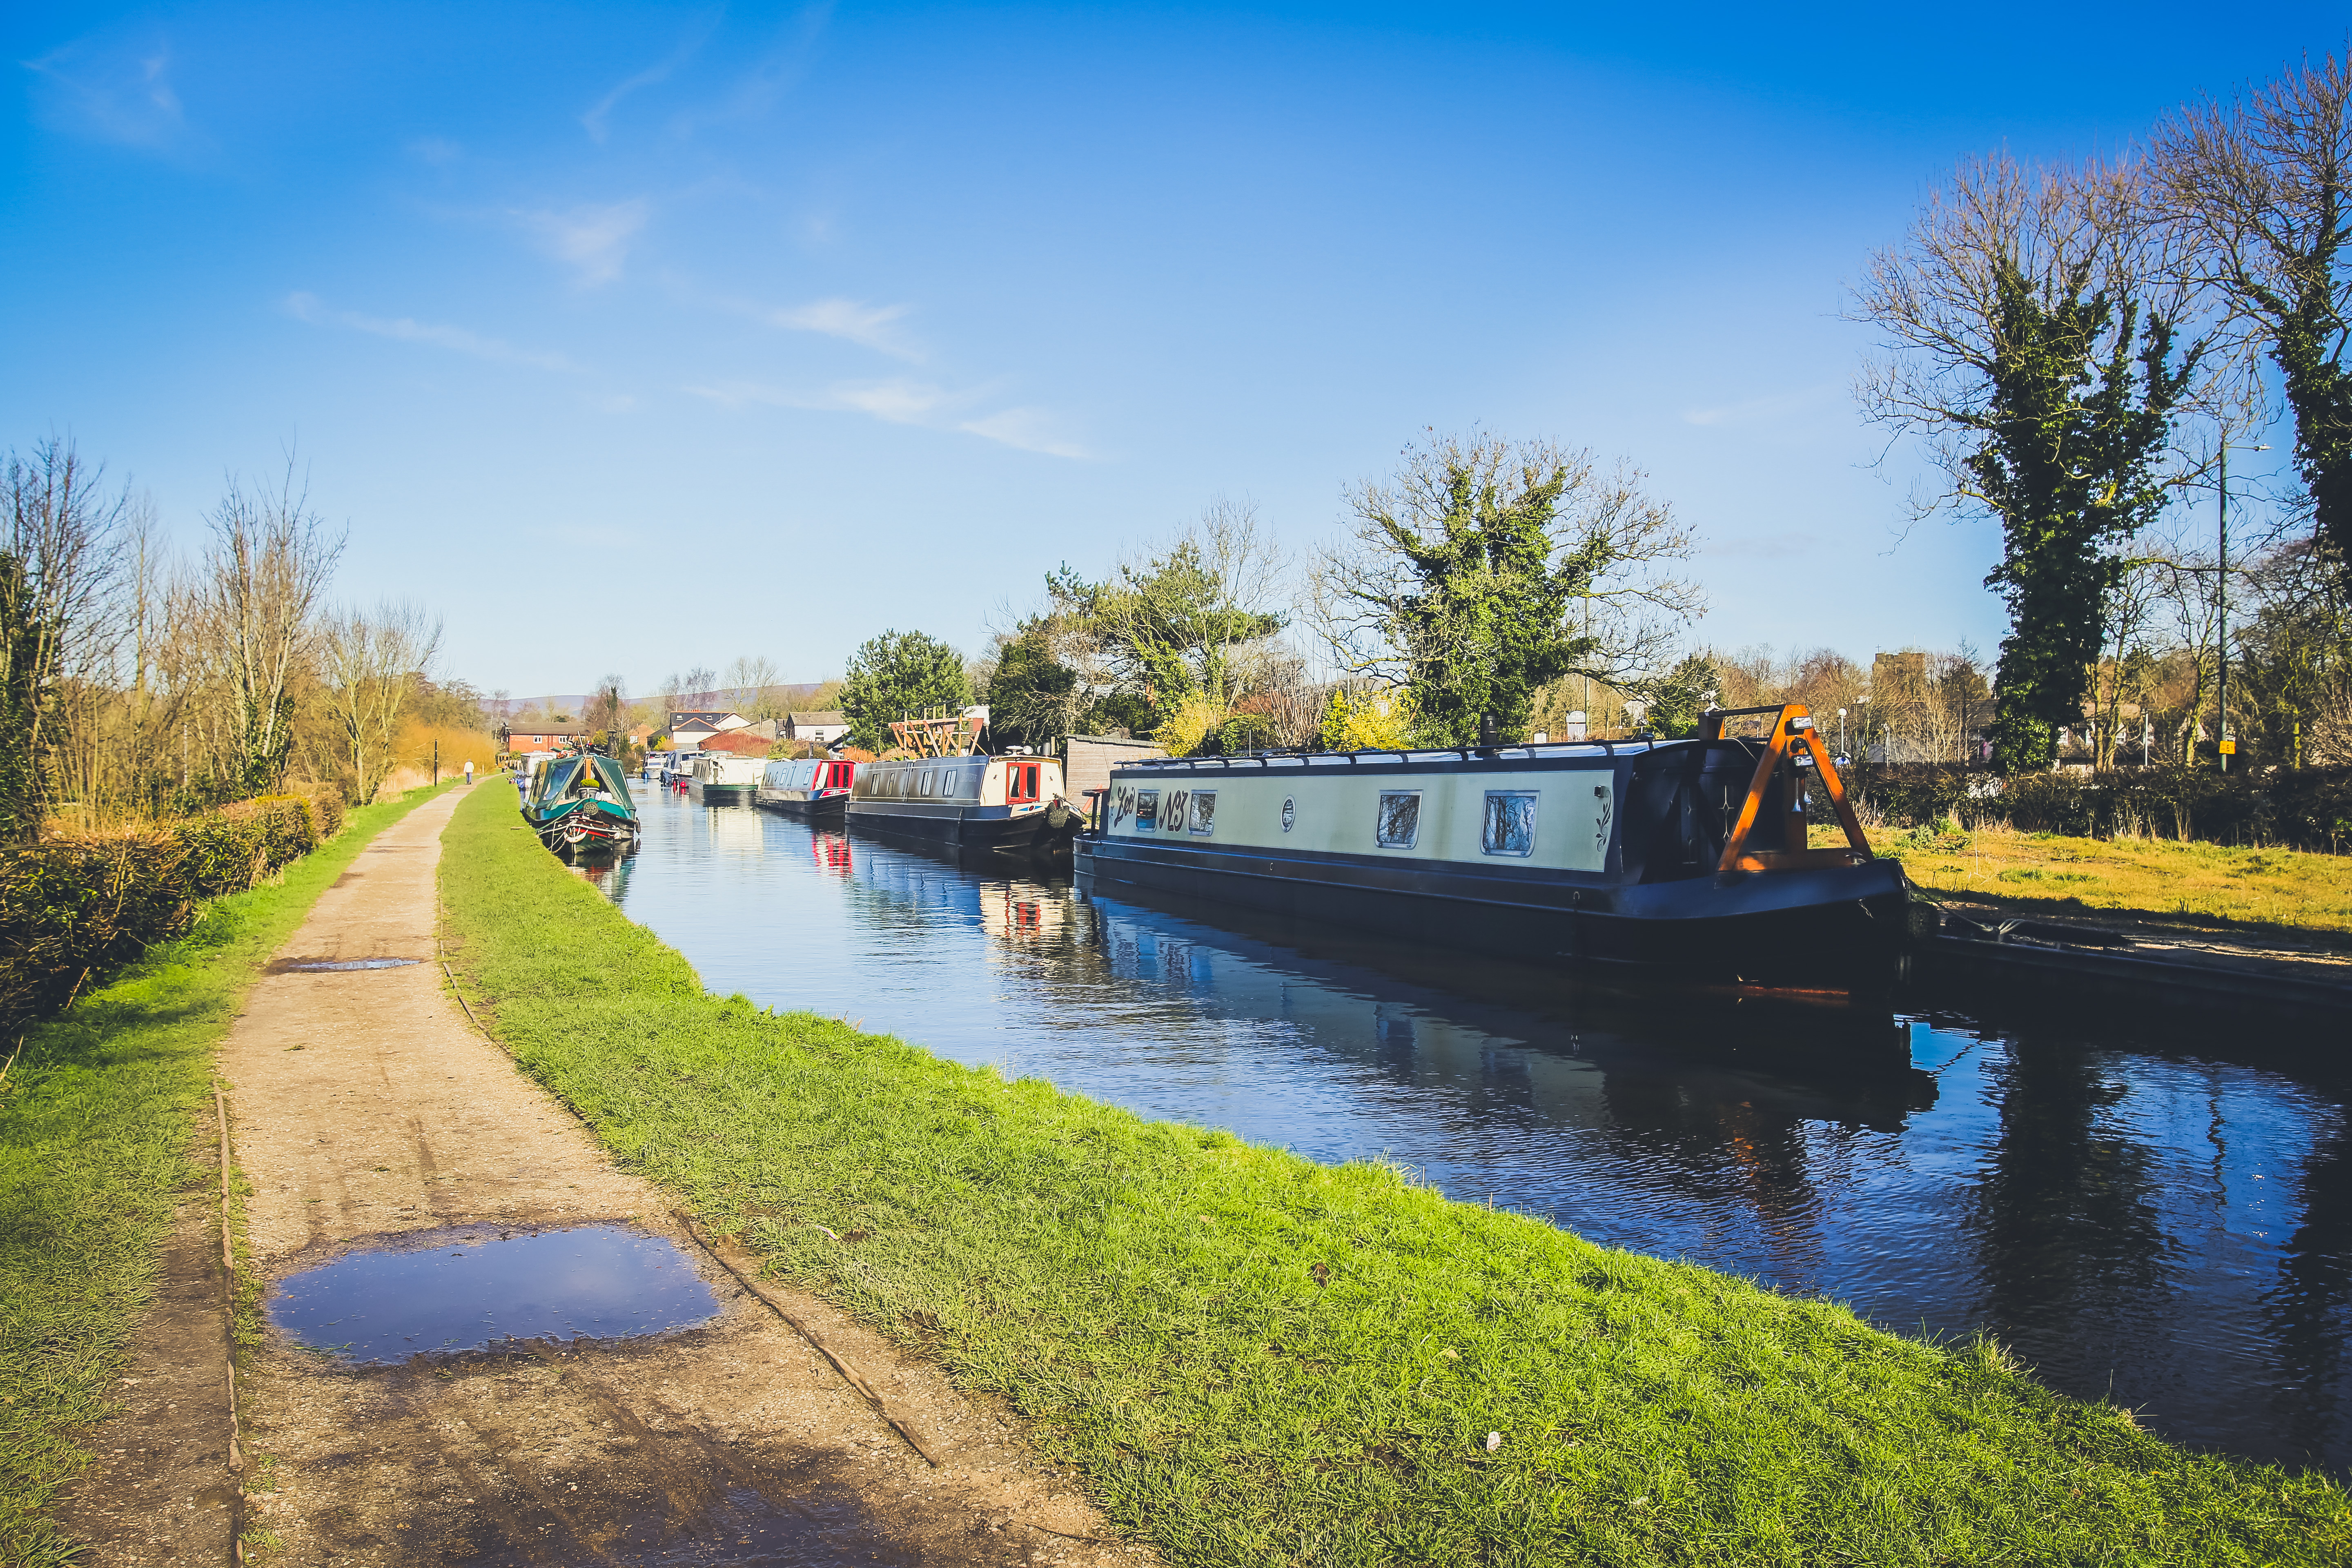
[
  {"x": 1841, "y": 732},
  {"x": 2222, "y": 597}
]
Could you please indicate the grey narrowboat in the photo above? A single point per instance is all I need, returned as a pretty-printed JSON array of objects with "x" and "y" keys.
[
  {"x": 1685, "y": 857},
  {"x": 979, "y": 801},
  {"x": 816, "y": 788}
]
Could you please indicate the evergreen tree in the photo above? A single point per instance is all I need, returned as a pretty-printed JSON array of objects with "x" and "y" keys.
[{"x": 896, "y": 675}]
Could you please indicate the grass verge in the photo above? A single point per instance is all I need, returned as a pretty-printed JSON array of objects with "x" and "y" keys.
[
  {"x": 96, "y": 1139},
  {"x": 2163, "y": 879},
  {"x": 1253, "y": 1358}
]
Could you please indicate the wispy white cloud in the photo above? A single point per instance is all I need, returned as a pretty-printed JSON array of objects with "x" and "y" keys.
[
  {"x": 121, "y": 94},
  {"x": 1031, "y": 429},
  {"x": 854, "y": 321},
  {"x": 403, "y": 328},
  {"x": 768, "y": 78},
  {"x": 594, "y": 120},
  {"x": 591, "y": 237},
  {"x": 1759, "y": 410},
  {"x": 900, "y": 400}
]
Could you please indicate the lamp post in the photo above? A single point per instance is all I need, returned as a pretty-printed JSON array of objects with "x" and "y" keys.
[
  {"x": 2223, "y": 744},
  {"x": 1841, "y": 732}
]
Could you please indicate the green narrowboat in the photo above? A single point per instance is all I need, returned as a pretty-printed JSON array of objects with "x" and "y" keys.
[{"x": 581, "y": 804}]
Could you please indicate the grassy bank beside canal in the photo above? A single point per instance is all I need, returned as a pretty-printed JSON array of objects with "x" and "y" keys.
[
  {"x": 2213, "y": 885},
  {"x": 1253, "y": 1358},
  {"x": 97, "y": 1124}
]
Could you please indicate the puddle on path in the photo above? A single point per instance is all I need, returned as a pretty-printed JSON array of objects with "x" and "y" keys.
[
  {"x": 817, "y": 1531},
  {"x": 469, "y": 1287},
  {"x": 322, "y": 965}
]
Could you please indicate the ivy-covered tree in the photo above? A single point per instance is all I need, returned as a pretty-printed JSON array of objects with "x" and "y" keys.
[
  {"x": 2035, "y": 319},
  {"x": 2083, "y": 393},
  {"x": 898, "y": 674},
  {"x": 1487, "y": 569}
]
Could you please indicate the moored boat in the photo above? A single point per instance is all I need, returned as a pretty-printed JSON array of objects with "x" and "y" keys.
[
  {"x": 1686, "y": 857},
  {"x": 816, "y": 788},
  {"x": 951, "y": 793},
  {"x": 722, "y": 778},
  {"x": 579, "y": 804}
]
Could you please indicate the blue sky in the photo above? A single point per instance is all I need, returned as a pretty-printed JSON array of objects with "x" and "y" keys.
[{"x": 635, "y": 338}]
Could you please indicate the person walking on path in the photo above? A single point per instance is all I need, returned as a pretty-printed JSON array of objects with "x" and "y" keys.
[{"x": 469, "y": 772}]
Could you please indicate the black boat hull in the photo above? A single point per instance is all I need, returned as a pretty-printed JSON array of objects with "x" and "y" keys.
[
  {"x": 958, "y": 827},
  {"x": 829, "y": 809},
  {"x": 720, "y": 793},
  {"x": 1841, "y": 927}
]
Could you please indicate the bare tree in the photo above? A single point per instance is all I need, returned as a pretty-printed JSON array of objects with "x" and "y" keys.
[
  {"x": 748, "y": 679},
  {"x": 269, "y": 560},
  {"x": 60, "y": 556},
  {"x": 2259, "y": 187},
  {"x": 372, "y": 662},
  {"x": 608, "y": 706}
]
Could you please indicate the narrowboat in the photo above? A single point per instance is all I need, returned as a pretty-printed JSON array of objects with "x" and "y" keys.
[
  {"x": 979, "y": 801},
  {"x": 816, "y": 788},
  {"x": 951, "y": 793},
  {"x": 579, "y": 804},
  {"x": 1686, "y": 857},
  {"x": 722, "y": 778}
]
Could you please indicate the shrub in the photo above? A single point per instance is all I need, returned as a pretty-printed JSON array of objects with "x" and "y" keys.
[
  {"x": 75, "y": 907},
  {"x": 2309, "y": 809}
]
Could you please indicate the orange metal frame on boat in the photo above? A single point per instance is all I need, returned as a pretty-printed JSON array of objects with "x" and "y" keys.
[{"x": 1792, "y": 729}]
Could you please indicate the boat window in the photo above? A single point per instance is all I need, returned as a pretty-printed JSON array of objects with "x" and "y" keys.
[
  {"x": 1510, "y": 825},
  {"x": 1020, "y": 783},
  {"x": 1204, "y": 812},
  {"x": 1177, "y": 805},
  {"x": 923, "y": 786},
  {"x": 1399, "y": 823},
  {"x": 1146, "y": 810}
]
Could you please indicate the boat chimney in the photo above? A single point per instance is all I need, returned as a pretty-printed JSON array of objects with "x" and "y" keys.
[{"x": 1486, "y": 733}]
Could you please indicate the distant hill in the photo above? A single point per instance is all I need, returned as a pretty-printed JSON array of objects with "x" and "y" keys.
[{"x": 726, "y": 698}]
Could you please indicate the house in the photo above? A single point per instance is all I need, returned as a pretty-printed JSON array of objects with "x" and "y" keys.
[
  {"x": 824, "y": 728},
  {"x": 687, "y": 730},
  {"x": 545, "y": 737}
]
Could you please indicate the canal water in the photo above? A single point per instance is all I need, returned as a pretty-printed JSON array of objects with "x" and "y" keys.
[{"x": 2165, "y": 1222}]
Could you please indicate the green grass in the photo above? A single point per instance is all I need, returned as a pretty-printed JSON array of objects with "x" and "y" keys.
[
  {"x": 1253, "y": 1358},
  {"x": 98, "y": 1127},
  {"x": 2210, "y": 884}
]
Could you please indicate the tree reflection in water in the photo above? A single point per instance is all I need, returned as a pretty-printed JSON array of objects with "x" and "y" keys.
[{"x": 2130, "y": 1215}]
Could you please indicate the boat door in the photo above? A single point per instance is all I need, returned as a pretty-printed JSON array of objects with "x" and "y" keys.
[{"x": 1020, "y": 783}]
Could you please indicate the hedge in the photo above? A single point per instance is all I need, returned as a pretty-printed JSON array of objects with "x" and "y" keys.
[
  {"x": 2309, "y": 808},
  {"x": 76, "y": 907}
]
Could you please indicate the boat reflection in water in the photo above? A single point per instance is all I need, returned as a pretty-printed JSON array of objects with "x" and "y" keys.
[{"x": 2171, "y": 1226}]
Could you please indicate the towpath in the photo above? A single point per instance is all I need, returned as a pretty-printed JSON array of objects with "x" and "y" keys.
[{"x": 366, "y": 1108}]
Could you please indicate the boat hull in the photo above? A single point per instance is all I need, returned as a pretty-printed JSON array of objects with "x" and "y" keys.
[
  {"x": 1841, "y": 927},
  {"x": 980, "y": 828},
  {"x": 830, "y": 808},
  {"x": 703, "y": 793}
]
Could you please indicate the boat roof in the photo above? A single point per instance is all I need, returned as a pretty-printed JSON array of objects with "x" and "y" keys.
[{"x": 1550, "y": 753}]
